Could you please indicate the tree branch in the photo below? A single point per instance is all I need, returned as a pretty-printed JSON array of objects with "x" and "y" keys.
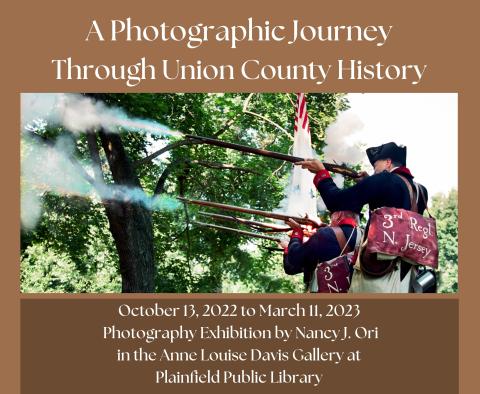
[
  {"x": 225, "y": 127},
  {"x": 165, "y": 149},
  {"x": 160, "y": 187},
  {"x": 291, "y": 101},
  {"x": 177, "y": 144},
  {"x": 245, "y": 105},
  {"x": 95, "y": 156}
]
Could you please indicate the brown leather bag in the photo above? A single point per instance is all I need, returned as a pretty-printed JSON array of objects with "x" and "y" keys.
[
  {"x": 369, "y": 261},
  {"x": 374, "y": 267},
  {"x": 333, "y": 276}
]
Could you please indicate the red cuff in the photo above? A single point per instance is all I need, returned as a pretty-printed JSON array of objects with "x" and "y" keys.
[
  {"x": 297, "y": 233},
  {"x": 320, "y": 176},
  {"x": 285, "y": 251}
]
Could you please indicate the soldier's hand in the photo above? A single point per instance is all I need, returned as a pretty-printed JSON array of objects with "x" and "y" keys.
[
  {"x": 361, "y": 176},
  {"x": 312, "y": 165},
  {"x": 284, "y": 243}
]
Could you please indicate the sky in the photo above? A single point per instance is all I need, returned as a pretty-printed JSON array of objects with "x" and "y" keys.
[{"x": 424, "y": 122}]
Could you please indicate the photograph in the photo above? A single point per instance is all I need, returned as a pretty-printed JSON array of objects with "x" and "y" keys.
[{"x": 239, "y": 192}]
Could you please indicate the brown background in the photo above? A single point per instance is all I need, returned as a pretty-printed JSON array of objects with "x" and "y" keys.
[
  {"x": 442, "y": 36},
  {"x": 416, "y": 351}
]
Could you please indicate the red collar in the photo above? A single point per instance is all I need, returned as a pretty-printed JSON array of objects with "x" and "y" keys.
[
  {"x": 347, "y": 222},
  {"x": 402, "y": 171}
]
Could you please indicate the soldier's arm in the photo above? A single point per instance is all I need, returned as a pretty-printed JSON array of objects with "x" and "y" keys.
[
  {"x": 294, "y": 256},
  {"x": 352, "y": 198},
  {"x": 303, "y": 257}
]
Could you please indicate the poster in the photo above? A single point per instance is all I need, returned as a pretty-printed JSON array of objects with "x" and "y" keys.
[{"x": 68, "y": 336}]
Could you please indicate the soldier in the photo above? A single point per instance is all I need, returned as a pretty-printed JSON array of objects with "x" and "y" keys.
[
  {"x": 325, "y": 244},
  {"x": 391, "y": 186}
]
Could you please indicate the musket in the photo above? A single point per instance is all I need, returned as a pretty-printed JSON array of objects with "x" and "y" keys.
[
  {"x": 267, "y": 226},
  {"x": 337, "y": 168},
  {"x": 273, "y": 215},
  {"x": 234, "y": 230}
]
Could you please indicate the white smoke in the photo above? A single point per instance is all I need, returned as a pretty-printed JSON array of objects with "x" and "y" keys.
[
  {"x": 30, "y": 208},
  {"x": 81, "y": 114},
  {"x": 300, "y": 195},
  {"x": 339, "y": 180},
  {"x": 343, "y": 145},
  {"x": 49, "y": 169},
  {"x": 343, "y": 140}
]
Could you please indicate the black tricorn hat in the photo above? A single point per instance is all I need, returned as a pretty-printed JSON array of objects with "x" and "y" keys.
[{"x": 388, "y": 151}]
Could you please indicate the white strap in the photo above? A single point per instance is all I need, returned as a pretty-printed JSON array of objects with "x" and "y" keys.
[{"x": 348, "y": 240}]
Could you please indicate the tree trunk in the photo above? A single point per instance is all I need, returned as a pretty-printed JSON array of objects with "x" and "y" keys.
[
  {"x": 131, "y": 227},
  {"x": 130, "y": 223}
]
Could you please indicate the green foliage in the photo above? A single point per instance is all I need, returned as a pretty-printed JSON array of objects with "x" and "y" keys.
[
  {"x": 74, "y": 231},
  {"x": 72, "y": 250},
  {"x": 44, "y": 270},
  {"x": 445, "y": 211}
]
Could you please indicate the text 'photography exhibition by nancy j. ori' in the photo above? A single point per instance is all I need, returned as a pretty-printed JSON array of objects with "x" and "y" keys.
[{"x": 239, "y": 193}]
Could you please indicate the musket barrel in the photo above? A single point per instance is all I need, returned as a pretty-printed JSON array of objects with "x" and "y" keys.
[
  {"x": 338, "y": 168},
  {"x": 273, "y": 227},
  {"x": 234, "y": 230},
  {"x": 273, "y": 215},
  {"x": 245, "y": 148}
]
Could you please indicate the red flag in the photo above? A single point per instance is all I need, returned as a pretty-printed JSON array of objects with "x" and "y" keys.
[{"x": 301, "y": 115}]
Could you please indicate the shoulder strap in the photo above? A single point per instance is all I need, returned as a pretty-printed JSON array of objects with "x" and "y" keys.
[
  {"x": 413, "y": 200},
  {"x": 425, "y": 201},
  {"x": 342, "y": 241}
]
